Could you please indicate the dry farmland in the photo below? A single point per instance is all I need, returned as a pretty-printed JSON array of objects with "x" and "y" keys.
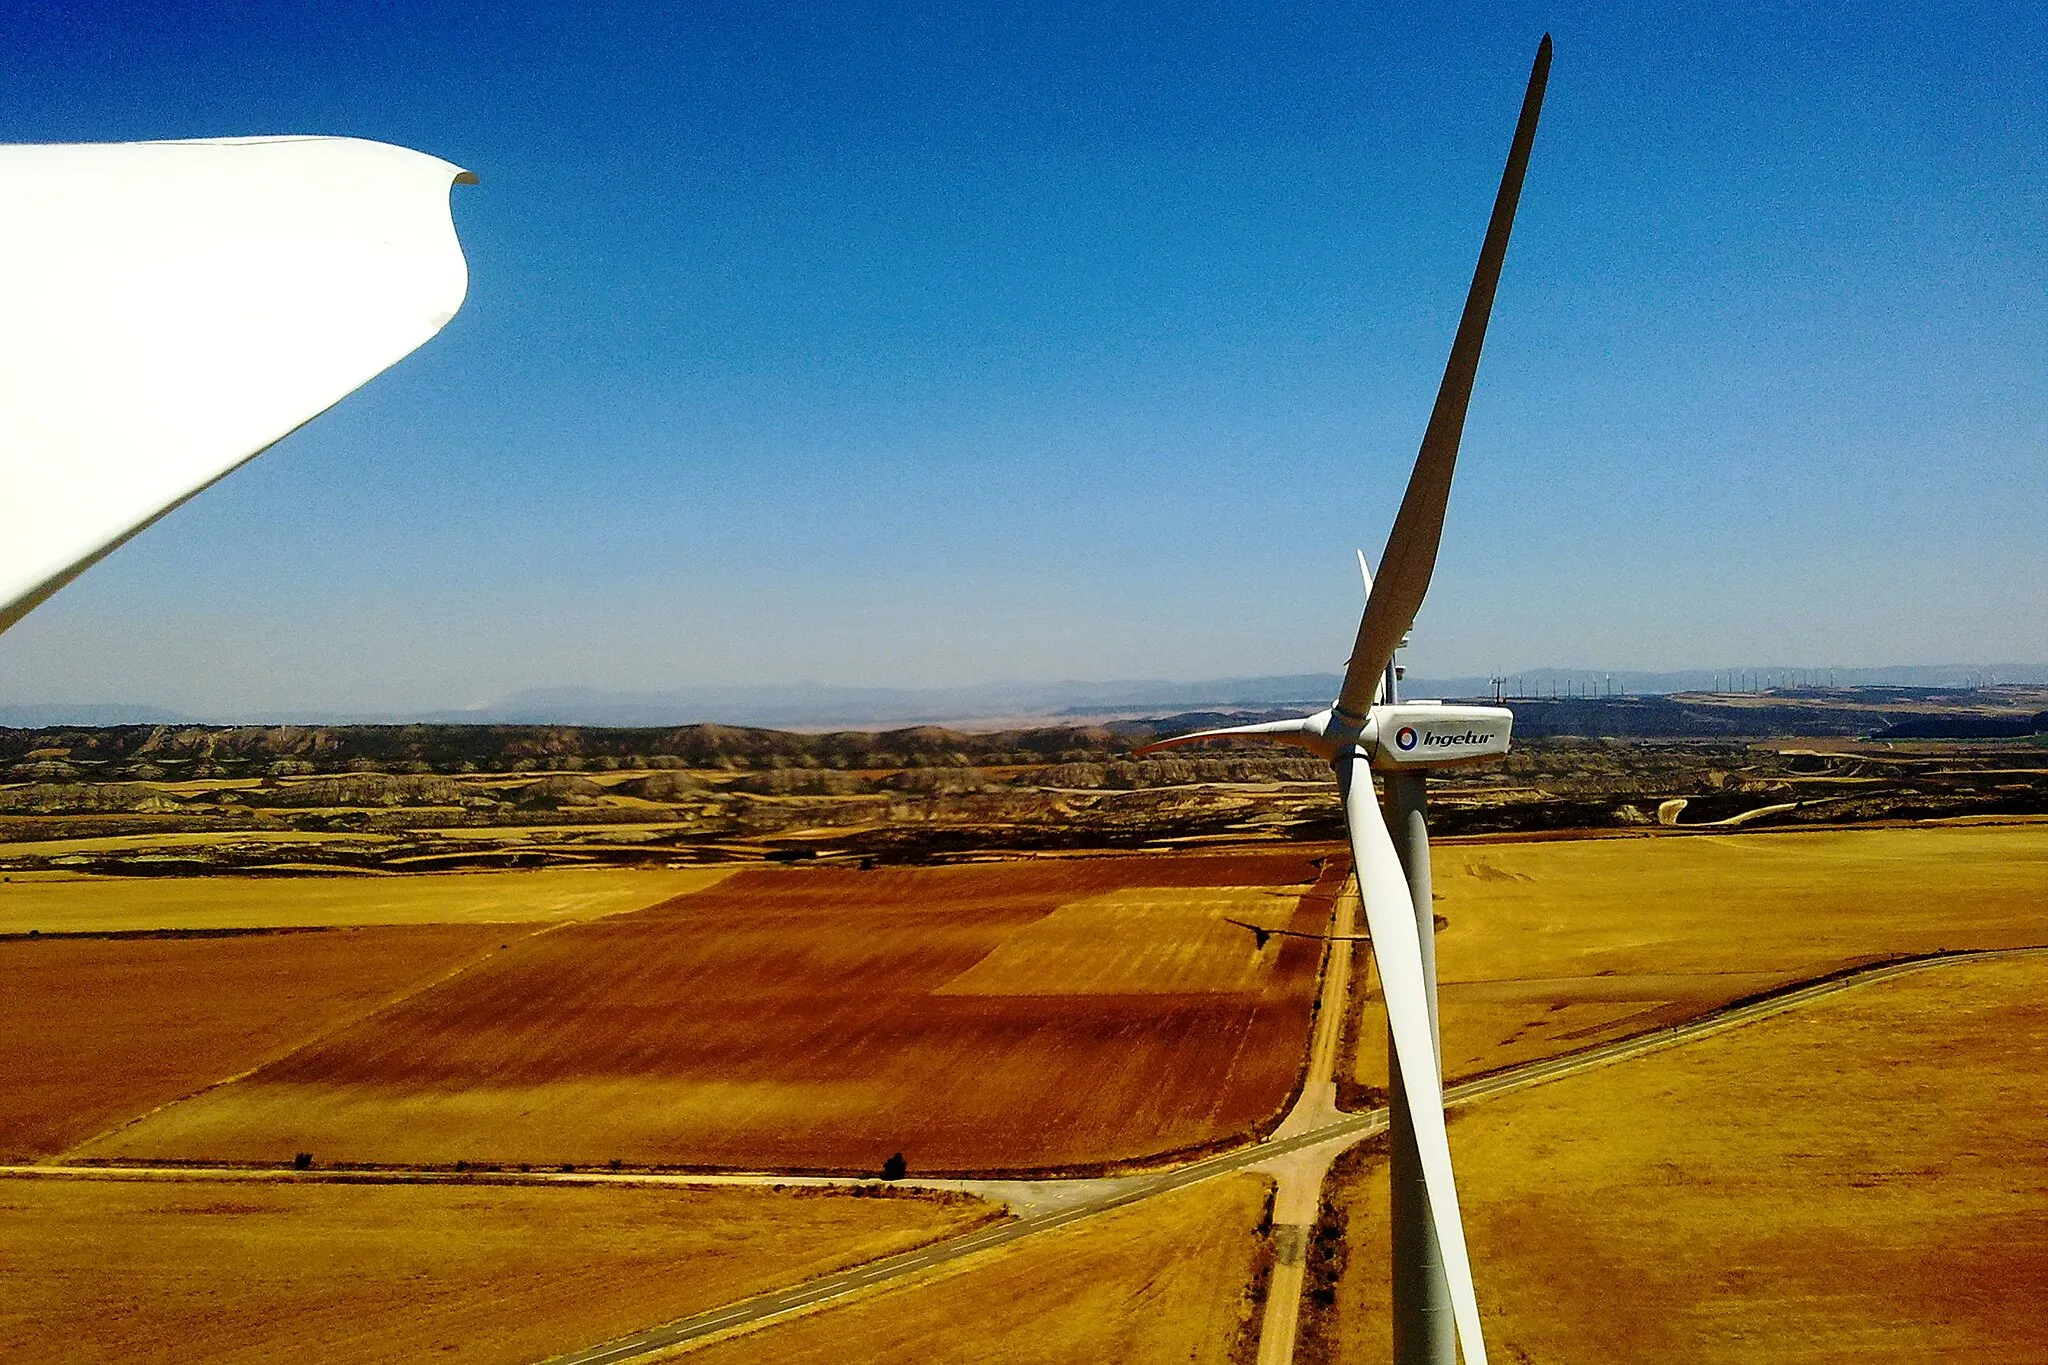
[
  {"x": 1861, "y": 1179},
  {"x": 60, "y": 902},
  {"x": 95, "y": 1031},
  {"x": 1163, "y": 1283},
  {"x": 241, "y": 1271},
  {"x": 1857, "y": 1178},
  {"x": 1558, "y": 945},
  {"x": 1053, "y": 1013}
]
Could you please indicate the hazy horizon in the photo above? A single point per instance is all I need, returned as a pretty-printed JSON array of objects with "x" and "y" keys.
[{"x": 813, "y": 705}]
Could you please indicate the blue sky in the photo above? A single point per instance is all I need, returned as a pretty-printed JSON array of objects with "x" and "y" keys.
[{"x": 945, "y": 344}]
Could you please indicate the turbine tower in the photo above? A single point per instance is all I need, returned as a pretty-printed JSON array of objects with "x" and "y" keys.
[{"x": 1370, "y": 727}]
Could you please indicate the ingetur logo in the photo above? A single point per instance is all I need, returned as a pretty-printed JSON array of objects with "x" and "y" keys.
[
  {"x": 1442, "y": 741},
  {"x": 1404, "y": 738}
]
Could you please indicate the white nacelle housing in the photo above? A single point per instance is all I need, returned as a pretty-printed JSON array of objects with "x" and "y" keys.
[{"x": 1410, "y": 735}]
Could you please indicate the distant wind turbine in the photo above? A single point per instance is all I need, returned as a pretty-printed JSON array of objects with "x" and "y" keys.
[{"x": 1369, "y": 727}]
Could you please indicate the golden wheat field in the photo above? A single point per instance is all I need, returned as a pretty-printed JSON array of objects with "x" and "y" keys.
[
  {"x": 247, "y": 1271},
  {"x": 61, "y": 902}
]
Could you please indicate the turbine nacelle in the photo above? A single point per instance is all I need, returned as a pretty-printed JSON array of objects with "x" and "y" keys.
[{"x": 1413, "y": 735}]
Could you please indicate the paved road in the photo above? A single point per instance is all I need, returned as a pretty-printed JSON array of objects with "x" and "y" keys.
[{"x": 763, "y": 1307}]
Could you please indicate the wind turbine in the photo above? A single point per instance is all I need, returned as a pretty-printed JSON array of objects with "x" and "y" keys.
[{"x": 1370, "y": 727}]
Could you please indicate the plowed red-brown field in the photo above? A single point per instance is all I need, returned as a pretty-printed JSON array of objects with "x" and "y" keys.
[
  {"x": 97, "y": 1030},
  {"x": 825, "y": 1018}
]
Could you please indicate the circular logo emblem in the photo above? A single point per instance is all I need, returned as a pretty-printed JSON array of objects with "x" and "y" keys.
[{"x": 1404, "y": 738}]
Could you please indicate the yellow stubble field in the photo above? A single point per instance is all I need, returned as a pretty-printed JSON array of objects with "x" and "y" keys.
[
  {"x": 1557, "y": 945},
  {"x": 1167, "y": 1282},
  {"x": 62, "y": 902},
  {"x": 240, "y": 1271},
  {"x": 1859, "y": 1179}
]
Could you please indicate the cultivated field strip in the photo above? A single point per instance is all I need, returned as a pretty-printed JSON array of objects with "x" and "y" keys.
[
  {"x": 215, "y": 1007},
  {"x": 765, "y": 1308},
  {"x": 53, "y": 903}
]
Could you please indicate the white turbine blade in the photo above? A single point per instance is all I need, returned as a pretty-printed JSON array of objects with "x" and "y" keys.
[
  {"x": 1304, "y": 731},
  {"x": 1410, "y": 556},
  {"x": 1396, "y": 949},
  {"x": 170, "y": 309},
  {"x": 1379, "y": 690}
]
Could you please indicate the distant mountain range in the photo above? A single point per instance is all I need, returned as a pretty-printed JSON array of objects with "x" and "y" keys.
[
  {"x": 806, "y": 706},
  {"x": 36, "y": 716}
]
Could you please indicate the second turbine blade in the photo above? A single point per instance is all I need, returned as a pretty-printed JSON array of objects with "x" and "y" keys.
[{"x": 1410, "y": 556}]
